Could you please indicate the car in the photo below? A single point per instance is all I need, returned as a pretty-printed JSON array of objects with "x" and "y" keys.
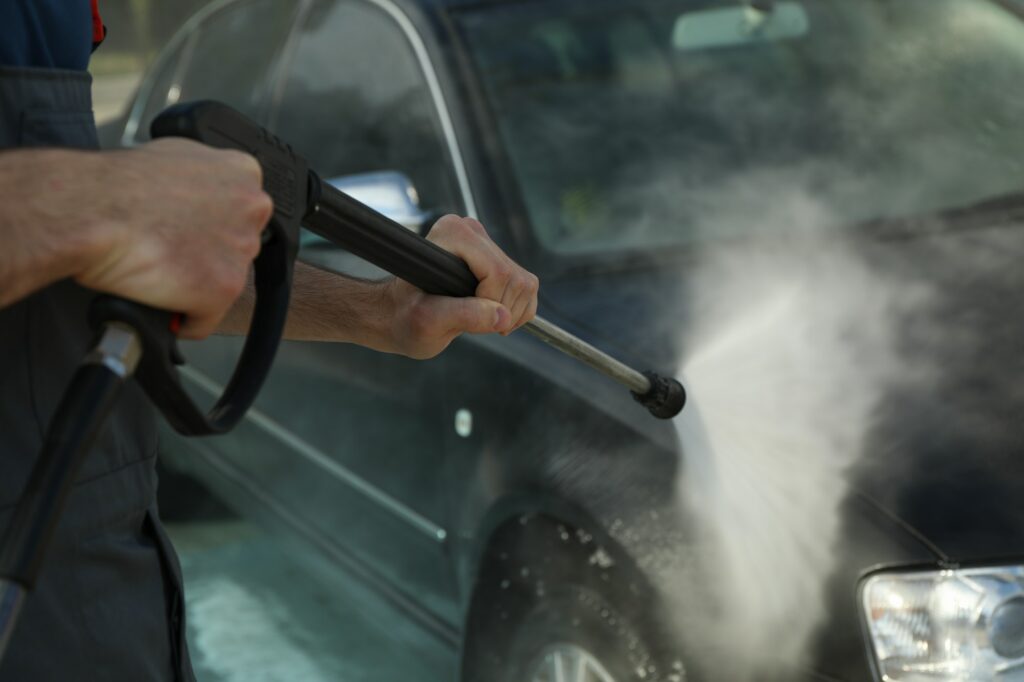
[{"x": 809, "y": 211}]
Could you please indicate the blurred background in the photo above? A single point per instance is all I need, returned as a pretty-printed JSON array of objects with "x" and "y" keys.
[{"x": 136, "y": 30}]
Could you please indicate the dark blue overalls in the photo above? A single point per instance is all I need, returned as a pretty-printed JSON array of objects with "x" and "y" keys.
[{"x": 109, "y": 604}]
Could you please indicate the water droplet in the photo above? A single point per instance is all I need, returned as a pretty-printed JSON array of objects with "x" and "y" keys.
[
  {"x": 505, "y": 584},
  {"x": 525, "y": 572},
  {"x": 464, "y": 423},
  {"x": 641, "y": 673},
  {"x": 601, "y": 558}
]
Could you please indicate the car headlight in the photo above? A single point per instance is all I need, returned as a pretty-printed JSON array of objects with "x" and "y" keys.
[{"x": 965, "y": 625}]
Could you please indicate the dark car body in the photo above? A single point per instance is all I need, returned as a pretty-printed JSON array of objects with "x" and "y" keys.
[{"x": 411, "y": 474}]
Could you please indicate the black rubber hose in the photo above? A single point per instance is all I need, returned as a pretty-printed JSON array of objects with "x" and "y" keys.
[{"x": 80, "y": 417}]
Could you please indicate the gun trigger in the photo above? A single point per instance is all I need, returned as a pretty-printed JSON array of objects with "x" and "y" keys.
[{"x": 176, "y": 357}]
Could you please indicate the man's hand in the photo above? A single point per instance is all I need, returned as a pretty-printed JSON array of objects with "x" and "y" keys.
[
  {"x": 185, "y": 229},
  {"x": 395, "y": 317},
  {"x": 506, "y": 298},
  {"x": 173, "y": 224}
]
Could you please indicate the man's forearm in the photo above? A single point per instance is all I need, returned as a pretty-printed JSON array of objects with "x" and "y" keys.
[
  {"x": 48, "y": 227},
  {"x": 326, "y": 306}
]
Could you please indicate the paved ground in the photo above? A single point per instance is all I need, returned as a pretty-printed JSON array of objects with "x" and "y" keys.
[{"x": 264, "y": 609}]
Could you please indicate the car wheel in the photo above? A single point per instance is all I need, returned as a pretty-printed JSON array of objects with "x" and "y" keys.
[{"x": 553, "y": 605}]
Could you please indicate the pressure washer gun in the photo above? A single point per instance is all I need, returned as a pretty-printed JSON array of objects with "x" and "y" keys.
[{"x": 136, "y": 340}]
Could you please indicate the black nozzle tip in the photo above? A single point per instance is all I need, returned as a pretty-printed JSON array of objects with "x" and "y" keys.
[{"x": 665, "y": 399}]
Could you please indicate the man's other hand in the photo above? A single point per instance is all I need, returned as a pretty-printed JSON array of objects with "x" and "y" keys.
[{"x": 422, "y": 325}]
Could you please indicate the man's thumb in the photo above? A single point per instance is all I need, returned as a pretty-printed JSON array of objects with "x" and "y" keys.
[{"x": 481, "y": 316}]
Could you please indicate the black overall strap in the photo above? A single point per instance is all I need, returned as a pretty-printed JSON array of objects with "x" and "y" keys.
[{"x": 103, "y": 606}]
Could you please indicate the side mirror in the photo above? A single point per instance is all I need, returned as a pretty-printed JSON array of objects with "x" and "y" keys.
[
  {"x": 760, "y": 21},
  {"x": 387, "y": 192}
]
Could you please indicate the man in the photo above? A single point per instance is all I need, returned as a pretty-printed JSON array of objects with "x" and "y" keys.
[{"x": 175, "y": 225}]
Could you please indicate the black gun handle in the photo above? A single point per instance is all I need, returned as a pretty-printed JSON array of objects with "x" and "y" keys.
[
  {"x": 285, "y": 178},
  {"x": 157, "y": 330},
  {"x": 376, "y": 238}
]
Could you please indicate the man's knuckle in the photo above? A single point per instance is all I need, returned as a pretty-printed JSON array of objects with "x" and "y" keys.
[
  {"x": 463, "y": 229},
  {"x": 503, "y": 271},
  {"x": 229, "y": 284},
  {"x": 445, "y": 222},
  {"x": 250, "y": 165},
  {"x": 260, "y": 206},
  {"x": 251, "y": 246}
]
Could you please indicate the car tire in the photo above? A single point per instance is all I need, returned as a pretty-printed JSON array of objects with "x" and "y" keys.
[{"x": 553, "y": 597}]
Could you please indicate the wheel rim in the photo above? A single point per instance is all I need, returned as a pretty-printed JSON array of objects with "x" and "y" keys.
[{"x": 566, "y": 662}]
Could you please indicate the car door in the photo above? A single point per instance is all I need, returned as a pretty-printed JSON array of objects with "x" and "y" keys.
[{"x": 345, "y": 439}]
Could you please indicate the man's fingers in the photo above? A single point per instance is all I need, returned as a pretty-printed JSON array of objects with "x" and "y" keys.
[
  {"x": 525, "y": 306},
  {"x": 501, "y": 280},
  {"x": 467, "y": 239}
]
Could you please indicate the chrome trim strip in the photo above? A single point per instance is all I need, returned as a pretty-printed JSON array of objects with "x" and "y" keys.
[
  {"x": 324, "y": 461},
  {"x": 420, "y": 48}
]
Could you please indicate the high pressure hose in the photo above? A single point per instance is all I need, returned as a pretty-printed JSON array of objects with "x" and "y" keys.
[{"x": 79, "y": 419}]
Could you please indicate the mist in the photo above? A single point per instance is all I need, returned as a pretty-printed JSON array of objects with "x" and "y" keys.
[
  {"x": 819, "y": 360},
  {"x": 792, "y": 345}
]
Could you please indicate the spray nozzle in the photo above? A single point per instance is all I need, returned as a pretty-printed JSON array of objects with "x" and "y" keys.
[{"x": 664, "y": 399}]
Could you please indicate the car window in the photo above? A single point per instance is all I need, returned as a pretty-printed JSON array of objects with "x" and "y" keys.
[
  {"x": 156, "y": 92},
  {"x": 619, "y": 137},
  {"x": 356, "y": 100},
  {"x": 232, "y": 57}
]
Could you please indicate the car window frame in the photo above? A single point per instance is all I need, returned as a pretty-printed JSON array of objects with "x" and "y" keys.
[{"x": 429, "y": 70}]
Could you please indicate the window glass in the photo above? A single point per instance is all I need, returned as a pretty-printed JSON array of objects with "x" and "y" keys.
[
  {"x": 619, "y": 137},
  {"x": 157, "y": 97},
  {"x": 232, "y": 59},
  {"x": 356, "y": 100}
]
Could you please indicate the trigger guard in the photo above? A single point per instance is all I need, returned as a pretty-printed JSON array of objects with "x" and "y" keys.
[{"x": 156, "y": 371}]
